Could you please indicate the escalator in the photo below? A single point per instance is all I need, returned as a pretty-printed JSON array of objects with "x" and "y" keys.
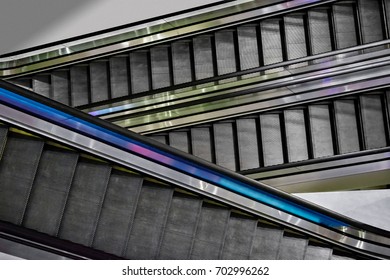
[{"x": 119, "y": 195}]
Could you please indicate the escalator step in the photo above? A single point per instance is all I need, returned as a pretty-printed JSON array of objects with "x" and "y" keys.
[
  {"x": 371, "y": 23},
  {"x": 99, "y": 81},
  {"x": 41, "y": 85},
  {"x": 272, "y": 42},
  {"x": 373, "y": 123},
  {"x": 50, "y": 191},
  {"x": 201, "y": 142},
  {"x": 179, "y": 140},
  {"x": 203, "y": 57},
  {"x": 296, "y": 135},
  {"x": 295, "y": 36},
  {"x": 17, "y": 176},
  {"x": 347, "y": 131},
  {"x": 84, "y": 203},
  {"x": 239, "y": 236},
  {"x": 210, "y": 233},
  {"x": 247, "y": 42},
  {"x": 224, "y": 145},
  {"x": 266, "y": 243},
  {"x": 149, "y": 222},
  {"x": 180, "y": 228},
  {"x": 79, "y": 85},
  {"x": 119, "y": 76},
  {"x": 117, "y": 213},
  {"x": 247, "y": 143},
  {"x": 344, "y": 25},
  {"x": 181, "y": 62},
  {"x": 319, "y": 31},
  {"x": 321, "y": 131},
  {"x": 61, "y": 86},
  {"x": 224, "y": 42},
  {"x": 318, "y": 253},
  {"x": 292, "y": 248},
  {"x": 271, "y": 139},
  {"x": 139, "y": 71},
  {"x": 160, "y": 67}
]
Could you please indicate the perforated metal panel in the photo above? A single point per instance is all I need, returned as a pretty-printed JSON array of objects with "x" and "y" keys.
[
  {"x": 321, "y": 131},
  {"x": 344, "y": 25},
  {"x": 179, "y": 140},
  {"x": 272, "y": 44},
  {"x": 79, "y": 85},
  {"x": 41, "y": 85},
  {"x": 292, "y": 248},
  {"x": 160, "y": 67},
  {"x": 247, "y": 143},
  {"x": 296, "y": 135},
  {"x": 181, "y": 62},
  {"x": 318, "y": 253},
  {"x": 119, "y": 76},
  {"x": 347, "y": 132},
  {"x": 224, "y": 145},
  {"x": 373, "y": 123},
  {"x": 295, "y": 36},
  {"x": 99, "y": 81},
  {"x": 203, "y": 57},
  {"x": 247, "y": 42},
  {"x": 370, "y": 18},
  {"x": 139, "y": 70},
  {"x": 319, "y": 31},
  {"x": 201, "y": 142},
  {"x": 225, "y": 52},
  {"x": 272, "y": 139},
  {"x": 60, "y": 86},
  {"x": 266, "y": 243}
]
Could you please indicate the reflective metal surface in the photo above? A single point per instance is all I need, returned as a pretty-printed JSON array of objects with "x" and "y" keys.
[
  {"x": 360, "y": 239},
  {"x": 176, "y": 27}
]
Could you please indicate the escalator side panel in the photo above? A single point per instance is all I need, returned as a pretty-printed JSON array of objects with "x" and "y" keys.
[
  {"x": 201, "y": 142},
  {"x": 61, "y": 86},
  {"x": 117, "y": 213},
  {"x": 160, "y": 67},
  {"x": 180, "y": 228},
  {"x": 84, "y": 203},
  {"x": 292, "y": 248},
  {"x": 99, "y": 81},
  {"x": 41, "y": 85},
  {"x": 239, "y": 237},
  {"x": 318, "y": 253},
  {"x": 348, "y": 137},
  {"x": 50, "y": 191},
  {"x": 248, "y": 46},
  {"x": 224, "y": 145},
  {"x": 344, "y": 25},
  {"x": 224, "y": 41},
  {"x": 373, "y": 123},
  {"x": 79, "y": 85},
  {"x": 266, "y": 243},
  {"x": 149, "y": 222},
  {"x": 17, "y": 176},
  {"x": 296, "y": 135},
  {"x": 203, "y": 57},
  {"x": 247, "y": 143},
  {"x": 181, "y": 63},
  {"x": 321, "y": 131},
  {"x": 371, "y": 21},
  {"x": 272, "y": 42},
  {"x": 179, "y": 140},
  {"x": 139, "y": 70},
  {"x": 210, "y": 233},
  {"x": 319, "y": 31},
  {"x": 295, "y": 36},
  {"x": 119, "y": 76},
  {"x": 271, "y": 139}
]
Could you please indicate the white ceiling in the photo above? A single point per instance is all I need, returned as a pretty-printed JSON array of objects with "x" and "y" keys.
[{"x": 27, "y": 23}]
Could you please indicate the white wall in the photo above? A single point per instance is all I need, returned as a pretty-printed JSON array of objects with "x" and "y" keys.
[{"x": 29, "y": 23}]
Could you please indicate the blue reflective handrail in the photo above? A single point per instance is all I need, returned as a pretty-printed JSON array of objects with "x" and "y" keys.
[{"x": 171, "y": 160}]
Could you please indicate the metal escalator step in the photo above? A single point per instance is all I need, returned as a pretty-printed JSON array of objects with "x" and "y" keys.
[
  {"x": 248, "y": 47},
  {"x": 119, "y": 76},
  {"x": 347, "y": 131},
  {"x": 139, "y": 71},
  {"x": 272, "y": 42},
  {"x": 373, "y": 123},
  {"x": 181, "y": 62},
  {"x": 344, "y": 25},
  {"x": 98, "y": 71},
  {"x": 79, "y": 84},
  {"x": 295, "y": 36},
  {"x": 239, "y": 237},
  {"x": 149, "y": 221},
  {"x": 266, "y": 243},
  {"x": 371, "y": 21},
  {"x": 3, "y": 139},
  {"x": 319, "y": 31},
  {"x": 84, "y": 203},
  {"x": 203, "y": 57},
  {"x": 50, "y": 191},
  {"x": 17, "y": 176},
  {"x": 179, "y": 140},
  {"x": 224, "y": 43},
  {"x": 160, "y": 67},
  {"x": 180, "y": 228},
  {"x": 224, "y": 145},
  {"x": 201, "y": 142},
  {"x": 61, "y": 86},
  {"x": 296, "y": 135},
  {"x": 117, "y": 213},
  {"x": 318, "y": 253},
  {"x": 292, "y": 248},
  {"x": 210, "y": 233},
  {"x": 248, "y": 147},
  {"x": 41, "y": 84},
  {"x": 321, "y": 130},
  {"x": 271, "y": 139}
]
